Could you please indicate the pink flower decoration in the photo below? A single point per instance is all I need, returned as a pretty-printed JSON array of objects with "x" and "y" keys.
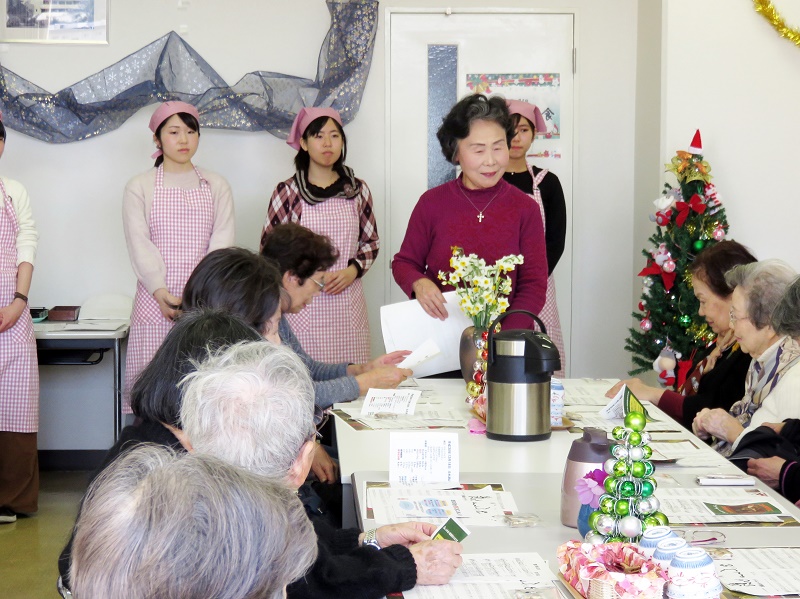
[{"x": 590, "y": 488}]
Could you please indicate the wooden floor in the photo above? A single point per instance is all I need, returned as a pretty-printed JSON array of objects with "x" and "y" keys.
[{"x": 29, "y": 548}]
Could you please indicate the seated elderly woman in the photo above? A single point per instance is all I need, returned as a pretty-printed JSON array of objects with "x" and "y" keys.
[
  {"x": 251, "y": 406},
  {"x": 776, "y": 449},
  {"x": 157, "y": 524},
  {"x": 155, "y": 397},
  {"x": 718, "y": 378},
  {"x": 772, "y": 389},
  {"x": 303, "y": 257}
]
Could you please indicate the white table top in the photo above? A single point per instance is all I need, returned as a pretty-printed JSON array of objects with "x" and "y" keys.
[{"x": 82, "y": 329}]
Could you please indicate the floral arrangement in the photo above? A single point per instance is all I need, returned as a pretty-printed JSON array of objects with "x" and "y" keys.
[
  {"x": 619, "y": 567},
  {"x": 590, "y": 488},
  {"x": 481, "y": 288}
]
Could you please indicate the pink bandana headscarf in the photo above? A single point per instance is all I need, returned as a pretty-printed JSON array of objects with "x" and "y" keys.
[
  {"x": 530, "y": 112},
  {"x": 304, "y": 118},
  {"x": 166, "y": 110}
]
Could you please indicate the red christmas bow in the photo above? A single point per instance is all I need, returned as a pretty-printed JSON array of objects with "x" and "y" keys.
[
  {"x": 696, "y": 204},
  {"x": 654, "y": 269}
]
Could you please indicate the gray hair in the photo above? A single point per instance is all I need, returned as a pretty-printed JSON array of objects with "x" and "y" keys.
[
  {"x": 786, "y": 316},
  {"x": 763, "y": 284},
  {"x": 155, "y": 524},
  {"x": 251, "y": 405}
]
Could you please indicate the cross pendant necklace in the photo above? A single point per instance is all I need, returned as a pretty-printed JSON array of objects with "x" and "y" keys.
[{"x": 480, "y": 212}]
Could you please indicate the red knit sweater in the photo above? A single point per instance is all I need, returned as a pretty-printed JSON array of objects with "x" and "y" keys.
[{"x": 512, "y": 224}]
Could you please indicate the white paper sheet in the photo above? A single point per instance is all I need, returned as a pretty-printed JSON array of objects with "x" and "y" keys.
[
  {"x": 472, "y": 507},
  {"x": 423, "y": 353},
  {"x": 670, "y": 450},
  {"x": 423, "y": 458},
  {"x": 390, "y": 401},
  {"x": 585, "y": 419},
  {"x": 586, "y": 392},
  {"x": 763, "y": 571},
  {"x": 405, "y": 325},
  {"x": 702, "y": 505},
  {"x": 493, "y": 576}
]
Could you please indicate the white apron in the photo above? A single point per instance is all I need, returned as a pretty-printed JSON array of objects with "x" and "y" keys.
[
  {"x": 335, "y": 328},
  {"x": 19, "y": 368},
  {"x": 549, "y": 313},
  {"x": 181, "y": 222}
]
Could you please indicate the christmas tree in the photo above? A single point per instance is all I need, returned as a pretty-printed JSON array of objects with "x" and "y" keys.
[{"x": 689, "y": 218}]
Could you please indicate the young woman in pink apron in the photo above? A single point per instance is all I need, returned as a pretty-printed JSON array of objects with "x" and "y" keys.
[
  {"x": 173, "y": 215},
  {"x": 545, "y": 188},
  {"x": 325, "y": 196},
  {"x": 19, "y": 372}
]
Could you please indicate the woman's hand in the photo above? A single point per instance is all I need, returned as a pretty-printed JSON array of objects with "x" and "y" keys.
[
  {"x": 776, "y": 426},
  {"x": 9, "y": 315},
  {"x": 430, "y": 298},
  {"x": 167, "y": 303},
  {"x": 324, "y": 466},
  {"x": 717, "y": 423},
  {"x": 337, "y": 281},
  {"x": 383, "y": 377},
  {"x": 767, "y": 469},
  {"x": 639, "y": 389},
  {"x": 436, "y": 561},
  {"x": 405, "y": 533},
  {"x": 391, "y": 359}
]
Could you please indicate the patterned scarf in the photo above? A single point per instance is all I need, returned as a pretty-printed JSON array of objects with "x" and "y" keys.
[
  {"x": 346, "y": 186},
  {"x": 762, "y": 378}
]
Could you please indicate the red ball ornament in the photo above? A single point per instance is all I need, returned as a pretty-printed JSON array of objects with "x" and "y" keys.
[
  {"x": 641, "y": 306},
  {"x": 485, "y": 355},
  {"x": 718, "y": 234},
  {"x": 645, "y": 325},
  {"x": 485, "y": 335},
  {"x": 668, "y": 266},
  {"x": 478, "y": 377}
]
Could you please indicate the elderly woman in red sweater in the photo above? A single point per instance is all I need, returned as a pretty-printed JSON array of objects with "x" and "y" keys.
[{"x": 477, "y": 211}]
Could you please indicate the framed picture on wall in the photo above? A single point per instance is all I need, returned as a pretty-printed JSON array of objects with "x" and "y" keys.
[{"x": 55, "y": 21}]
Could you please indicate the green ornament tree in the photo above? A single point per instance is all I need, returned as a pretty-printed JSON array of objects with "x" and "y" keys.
[
  {"x": 689, "y": 218},
  {"x": 629, "y": 505}
]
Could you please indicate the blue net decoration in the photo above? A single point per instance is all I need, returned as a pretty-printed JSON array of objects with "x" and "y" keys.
[{"x": 169, "y": 69}]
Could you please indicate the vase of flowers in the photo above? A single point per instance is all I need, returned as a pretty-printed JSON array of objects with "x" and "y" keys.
[
  {"x": 589, "y": 488},
  {"x": 482, "y": 291}
]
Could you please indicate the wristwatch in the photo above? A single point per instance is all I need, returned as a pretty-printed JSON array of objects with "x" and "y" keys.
[{"x": 371, "y": 538}]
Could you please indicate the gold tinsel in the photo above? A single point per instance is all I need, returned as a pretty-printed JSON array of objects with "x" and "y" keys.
[{"x": 770, "y": 13}]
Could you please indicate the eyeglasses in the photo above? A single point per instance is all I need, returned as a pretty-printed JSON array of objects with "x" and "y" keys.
[
  {"x": 734, "y": 318},
  {"x": 320, "y": 419},
  {"x": 321, "y": 284},
  {"x": 701, "y": 536}
]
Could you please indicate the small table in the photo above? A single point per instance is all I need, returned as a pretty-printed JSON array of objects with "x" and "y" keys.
[{"x": 74, "y": 344}]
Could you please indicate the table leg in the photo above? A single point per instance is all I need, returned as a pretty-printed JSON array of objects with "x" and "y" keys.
[{"x": 117, "y": 389}]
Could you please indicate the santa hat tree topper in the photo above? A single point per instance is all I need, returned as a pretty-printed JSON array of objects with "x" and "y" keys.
[{"x": 688, "y": 218}]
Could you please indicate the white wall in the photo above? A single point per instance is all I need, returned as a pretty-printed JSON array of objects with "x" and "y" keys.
[
  {"x": 76, "y": 188},
  {"x": 728, "y": 73}
]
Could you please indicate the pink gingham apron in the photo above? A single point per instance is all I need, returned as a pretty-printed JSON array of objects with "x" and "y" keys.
[
  {"x": 335, "y": 328},
  {"x": 19, "y": 368},
  {"x": 181, "y": 222},
  {"x": 549, "y": 313}
]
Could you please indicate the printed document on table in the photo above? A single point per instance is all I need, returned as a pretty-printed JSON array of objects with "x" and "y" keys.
[
  {"x": 595, "y": 420},
  {"x": 494, "y": 576},
  {"x": 423, "y": 419},
  {"x": 420, "y": 459},
  {"x": 472, "y": 507},
  {"x": 706, "y": 505},
  {"x": 586, "y": 392},
  {"x": 766, "y": 571},
  {"x": 673, "y": 450},
  {"x": 390, "y": 401},
  {"x": 406, "y": 325}
]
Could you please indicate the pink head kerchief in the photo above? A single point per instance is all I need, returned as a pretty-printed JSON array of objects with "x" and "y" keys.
[
  {"x": 304, "y": 118},
  {"x": 530, "y": 112},
  {"x": 166, "y": 110}
]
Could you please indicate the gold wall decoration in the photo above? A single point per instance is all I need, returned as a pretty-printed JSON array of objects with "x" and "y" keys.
[{"x": 771, "y": 14}]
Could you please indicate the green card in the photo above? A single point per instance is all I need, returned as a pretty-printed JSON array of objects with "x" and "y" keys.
[{"x": 452, "y": 530}]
